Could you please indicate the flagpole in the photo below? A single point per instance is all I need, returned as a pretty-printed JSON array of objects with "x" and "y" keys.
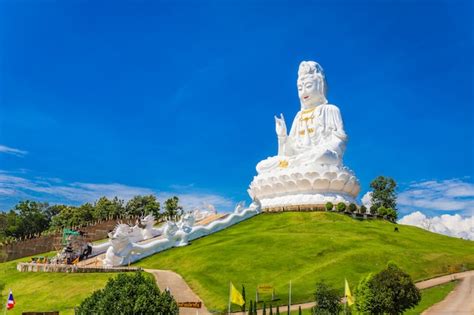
[
  {"x": 289, "y": 298},
  {"x": 345, "y": 295},
  {"x": 230, "y": 290}
]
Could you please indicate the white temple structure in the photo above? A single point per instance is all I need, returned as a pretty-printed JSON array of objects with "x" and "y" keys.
[{"x": 308, "y": 170}]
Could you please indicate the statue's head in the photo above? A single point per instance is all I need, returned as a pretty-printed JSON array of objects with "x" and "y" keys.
[{"x": 311, "y": 84}]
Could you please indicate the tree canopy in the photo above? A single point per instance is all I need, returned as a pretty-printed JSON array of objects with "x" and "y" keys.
[
  {"x": 328, "y": 301},
  {"x": 129, "y": 294},
  {"x": 390, "y": 291},
  {"x": 383, "y": 192}
]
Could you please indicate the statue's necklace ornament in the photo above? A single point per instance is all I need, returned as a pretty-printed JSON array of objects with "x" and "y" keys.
[{"x": 308, "y": 170}]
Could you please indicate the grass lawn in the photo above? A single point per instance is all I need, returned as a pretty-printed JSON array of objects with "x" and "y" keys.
[
  {"x": 304, "y": 247},
  {"x": 38, "y": 291}
]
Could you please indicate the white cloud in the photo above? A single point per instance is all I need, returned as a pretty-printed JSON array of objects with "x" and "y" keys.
[
  {"x": 192, "y": 201},
  {"x": 13, "y": 151},
  {"x": 367, "y": 199},
  {"x": 451, "y": 225},
  {"x": 445, "y": 195},
  {"x": 14, "y": 188}
]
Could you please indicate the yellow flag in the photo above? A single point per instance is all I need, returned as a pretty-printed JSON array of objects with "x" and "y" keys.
[
  {"x": 347, "y": 293},
  {"x": 235, "y": 296}
]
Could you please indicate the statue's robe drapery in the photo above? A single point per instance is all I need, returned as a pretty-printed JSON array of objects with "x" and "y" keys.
[
  {"x": 325, "y": 130},
  {"x": 316, "y": 137}
]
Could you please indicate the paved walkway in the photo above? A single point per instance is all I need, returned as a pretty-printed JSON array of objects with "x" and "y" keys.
[
  {"x": 459, "y": 301},
  {"x": 444, "y": 279},
  {"x": 166, "y": 279}
]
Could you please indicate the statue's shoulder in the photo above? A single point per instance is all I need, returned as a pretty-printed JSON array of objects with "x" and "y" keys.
[{"x": 329, "y": 107}]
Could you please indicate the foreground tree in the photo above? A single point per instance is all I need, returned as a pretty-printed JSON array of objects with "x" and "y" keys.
[
  {"x": 129, "y": 294},
  {"x": 327, "y": 300},
  {"x": 390, "y": 291}
]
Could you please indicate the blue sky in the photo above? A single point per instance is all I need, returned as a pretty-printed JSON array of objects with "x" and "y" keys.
[{"x": 179, "y": 97}]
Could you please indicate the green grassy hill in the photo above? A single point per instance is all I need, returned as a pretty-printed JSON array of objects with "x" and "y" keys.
[
  {"x": 303, "y": 247},
  {"x": 268, "y": 249}
]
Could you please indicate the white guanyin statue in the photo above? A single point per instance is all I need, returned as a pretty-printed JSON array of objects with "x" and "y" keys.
[{"x": 308, "y": 170}]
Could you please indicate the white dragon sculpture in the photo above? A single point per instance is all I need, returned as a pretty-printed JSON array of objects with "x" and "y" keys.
[{"x": 123, "y": 248}]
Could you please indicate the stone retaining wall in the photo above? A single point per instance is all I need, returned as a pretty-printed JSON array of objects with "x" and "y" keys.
[
  {"x": 52, "y": 242},
  {"x": 34, "y": 267}
]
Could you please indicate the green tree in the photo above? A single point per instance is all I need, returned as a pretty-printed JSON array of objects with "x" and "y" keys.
[
  {"x": 327, "y": 300},
  {"x": 33, "y": 218},
  {"x": 250, "y": 308},
  {"x": 105, "y": 208},
  {"x": 384, "y": 192},
  {"x": 363, "y": 209},
  {"x": 341, "y": 207},
  {"x": 64, "y": 218},
  {"x": 329, "y": 206},
  {"x": 390, "y": 291},
  {"x": 82, "y": 214},
  {"x": 129, "y": 294},
  {"x": 143, "y": 205},
  {"x": 172, "y": 208}
]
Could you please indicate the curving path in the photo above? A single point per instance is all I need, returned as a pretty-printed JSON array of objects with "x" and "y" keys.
[
  {"x": 167, "y": 279},
  {"x": 460, "y": 301}
]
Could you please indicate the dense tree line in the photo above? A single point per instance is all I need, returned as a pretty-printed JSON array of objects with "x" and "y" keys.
[{"x": 31, "y": 217}]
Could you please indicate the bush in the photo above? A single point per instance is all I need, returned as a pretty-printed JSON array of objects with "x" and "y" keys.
[
  {"x": 391, "y": 291},
  {"x": 329, "y": 206},
  {"x": 392, "y": 214},
  {"x": 382, "y": 211},
  {"x": 352, "y": 207},
  {"x": 327, "y": 300},
  {"x": 363, "y": 209},
  {"x": 341, "y": 207},
  {"x": 129, "y": 294},
  {"x": 373, "y": 209}
]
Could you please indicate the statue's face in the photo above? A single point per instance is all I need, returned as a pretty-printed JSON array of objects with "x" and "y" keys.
[{"x": 311, "y": 92}]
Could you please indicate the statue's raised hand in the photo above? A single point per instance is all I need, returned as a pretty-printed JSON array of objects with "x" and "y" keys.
[{"x": 280, "y": 126}]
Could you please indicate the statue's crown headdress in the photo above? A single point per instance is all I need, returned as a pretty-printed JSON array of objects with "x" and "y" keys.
[{"x": 310, "y": 68}]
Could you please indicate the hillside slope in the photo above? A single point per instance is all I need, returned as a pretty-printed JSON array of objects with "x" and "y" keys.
[{"x": 274, "y": 248}]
